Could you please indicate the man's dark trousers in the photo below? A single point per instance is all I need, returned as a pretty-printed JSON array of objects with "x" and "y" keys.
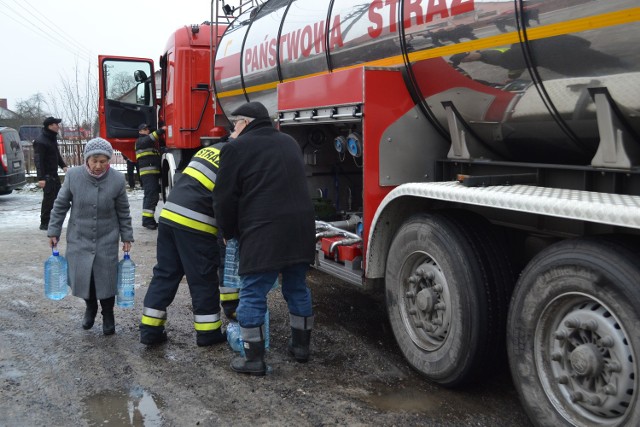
[{"x": 51, "y": 188}]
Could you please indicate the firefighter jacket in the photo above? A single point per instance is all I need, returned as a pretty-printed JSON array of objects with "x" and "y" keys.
[
  {"x": 46, "y": 155},
  {"x": 190, "y": 203},
  {"x": 148, "y": 153}
]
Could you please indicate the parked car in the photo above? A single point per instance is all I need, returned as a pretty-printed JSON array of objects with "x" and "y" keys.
[
  {"x": 12, "y": 172},
  {"x": 29, "y": 132}
]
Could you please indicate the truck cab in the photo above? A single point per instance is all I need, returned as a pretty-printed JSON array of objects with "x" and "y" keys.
[{"x": 178, "y": 95}]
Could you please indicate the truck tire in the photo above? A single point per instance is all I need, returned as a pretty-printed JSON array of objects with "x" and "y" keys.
[
  {"x": 446, "y": 297},
  {"x": 168, "y": 176},
  {"x": 573, "y": 345}
]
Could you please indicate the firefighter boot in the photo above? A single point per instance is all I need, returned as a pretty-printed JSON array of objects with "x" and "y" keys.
[
  {"x": 205, "y": 339},
  {"x": 152, "y": 335},
  {"x": 300, "y": 337},
  {"x": 253, "y": 361},
  {"x": 90, "y": 313},
  {"x": 108, "y": 320}
]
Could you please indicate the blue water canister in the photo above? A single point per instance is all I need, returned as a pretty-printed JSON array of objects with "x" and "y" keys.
[
  {"x": 56, "y": 276},
  {"x": 126, "y": 282},
  {"x": 231, "y": 263},
  {"x": 232, "y": 280},
  {"x": 234, "y": 337}
]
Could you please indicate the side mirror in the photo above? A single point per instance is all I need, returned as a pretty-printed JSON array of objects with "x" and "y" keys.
[{"x": 140, "y": 76}]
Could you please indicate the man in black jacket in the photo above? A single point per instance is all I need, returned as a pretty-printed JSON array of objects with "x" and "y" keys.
[
  {"x": 148, "y": 159},
  {"x": 261, "y": 198},
  {"x": 47, "y": 158}
]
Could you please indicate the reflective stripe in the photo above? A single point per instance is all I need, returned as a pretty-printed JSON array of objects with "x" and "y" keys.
[
  {"x": 187, "y": 222},
  {"x": 153, "y": 317},
  {"x": 299, "y": 322},
  {"x": 202, "y": 318},
  {"x": 204, "y": 170},
  {"x": 146, "y": 152},
  {"x": 153, "y": 172},
  {"x": 229, "y": 296},
  {"x": 200, "y": 177},
  {"x": 189, "y": 214},
  {"x": 207, "y": 322},
  {"x": 229, "y": 290},
  {"x": 160, "y": 314},
  {"x": 207, "y": 326},
  {"x": 154, "y": 135},
  {"x": 148, "y": 214},
  {"x": 149, "y": 169},
  {"x": 152, "y": 321},
  {"x": 252, "y": 334}
]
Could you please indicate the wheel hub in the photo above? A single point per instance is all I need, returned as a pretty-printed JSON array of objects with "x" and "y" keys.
[
  {"x": 586, "y": 360},
  {"x": 425, "y": 302},
  {"x": 591, "y": 369}
]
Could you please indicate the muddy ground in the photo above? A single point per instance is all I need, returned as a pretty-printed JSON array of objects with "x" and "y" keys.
[{"x": 54, "y": 373}]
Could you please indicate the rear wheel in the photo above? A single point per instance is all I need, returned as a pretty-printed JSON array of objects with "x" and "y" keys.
[
  {"x": 447, "y": 281},
  {"x": 572, "y": 342}
]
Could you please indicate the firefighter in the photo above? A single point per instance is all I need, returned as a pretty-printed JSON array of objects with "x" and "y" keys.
[
  {"x": 187, "y": 245},
  {"x": 148, "y": 159}
]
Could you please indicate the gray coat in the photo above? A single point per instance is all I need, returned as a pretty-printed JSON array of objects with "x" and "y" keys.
[{"x": 99, "y": 215}]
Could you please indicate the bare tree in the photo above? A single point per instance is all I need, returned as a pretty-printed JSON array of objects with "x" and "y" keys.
[
  {"x": 33, "y": 110},
  {"x": 77, "y": 101}
]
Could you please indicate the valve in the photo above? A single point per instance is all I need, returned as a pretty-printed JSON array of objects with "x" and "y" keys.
[{"x": 354, "y": 144}]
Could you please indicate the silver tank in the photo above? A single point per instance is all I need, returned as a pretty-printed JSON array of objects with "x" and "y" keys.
[{"x": 517, "y": 72}]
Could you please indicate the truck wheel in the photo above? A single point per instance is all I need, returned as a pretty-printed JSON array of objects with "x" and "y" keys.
[
  {"x": 572, "y": 343},
  {"x": 168, "y": 175},
  {"x": 441, "y": 292}
]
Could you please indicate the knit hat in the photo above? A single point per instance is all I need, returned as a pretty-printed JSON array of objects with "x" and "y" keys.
[
  {"x": 97, "y": 146},
  {"x": 143, "y": 126},
  {"x": 252, "y": 110}
]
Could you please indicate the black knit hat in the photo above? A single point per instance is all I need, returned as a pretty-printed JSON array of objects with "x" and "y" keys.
[
  {"x": 143, "y": 126},
  {"x": 252, "y": 110}
]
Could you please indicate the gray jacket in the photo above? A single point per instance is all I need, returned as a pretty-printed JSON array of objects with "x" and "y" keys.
[{"x": 99, "y": 216}]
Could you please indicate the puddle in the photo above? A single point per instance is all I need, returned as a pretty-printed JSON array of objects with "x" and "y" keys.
[
  {"x": 137, "y": 408},
  {"x": 406, "y": 400}
]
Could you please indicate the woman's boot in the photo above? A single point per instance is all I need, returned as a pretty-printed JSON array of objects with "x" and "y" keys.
[
  {"x": 108, "y": 320},
  {"x": 90, "y": 313}
]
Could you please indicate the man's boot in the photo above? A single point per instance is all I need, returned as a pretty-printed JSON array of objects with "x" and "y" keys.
[
  {"x": 90, "y": 313},
  {"x": 253, "y": 361},
  {"x": 300, "y": 337},
  {"x": 108, "y": 320}
]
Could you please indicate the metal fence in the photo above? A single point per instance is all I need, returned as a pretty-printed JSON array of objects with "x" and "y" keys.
[{"x": 72, "y": 153}]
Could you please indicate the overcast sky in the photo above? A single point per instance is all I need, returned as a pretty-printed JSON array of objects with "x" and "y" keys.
[{"x": 42, "y": 40}]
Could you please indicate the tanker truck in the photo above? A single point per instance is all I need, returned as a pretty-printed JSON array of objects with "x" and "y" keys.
[{"x": 475, "y": 162}]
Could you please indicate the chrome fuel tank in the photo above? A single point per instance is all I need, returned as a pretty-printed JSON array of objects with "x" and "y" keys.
[{"x": 518, "y": 72}]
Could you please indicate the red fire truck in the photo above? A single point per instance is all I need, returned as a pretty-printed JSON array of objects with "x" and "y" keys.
[{"x": 484, "y": 177}]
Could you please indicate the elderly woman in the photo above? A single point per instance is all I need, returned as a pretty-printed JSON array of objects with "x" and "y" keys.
[{"x": 96, "y": 195}]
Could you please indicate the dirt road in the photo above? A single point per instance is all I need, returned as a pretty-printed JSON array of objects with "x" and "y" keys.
[{"x": 54, "y": 373}]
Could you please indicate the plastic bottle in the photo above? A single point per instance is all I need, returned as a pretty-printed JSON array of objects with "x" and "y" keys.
[
  {"x": 232, "y": 280},
  {"x": 55, "y": 276},
  {"x": 234, "y": 338},
  {"x": 126, "y": 282}
]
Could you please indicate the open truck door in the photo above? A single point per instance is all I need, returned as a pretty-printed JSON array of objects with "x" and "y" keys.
[{"x": 127, "y": 98}]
